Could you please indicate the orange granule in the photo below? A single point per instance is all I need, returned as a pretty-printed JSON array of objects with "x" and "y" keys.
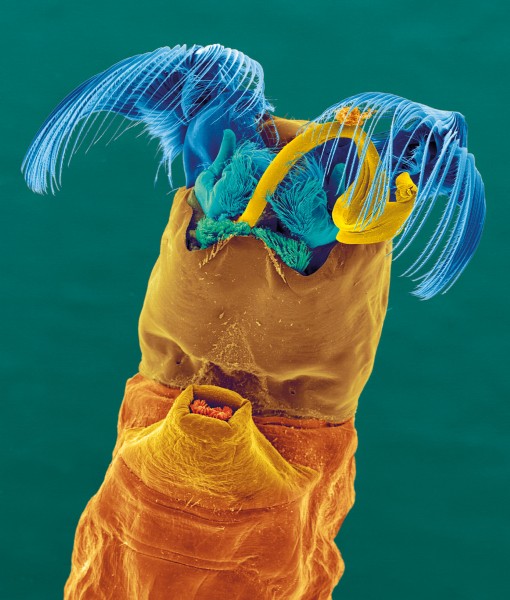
[
  {"x": 352, "y": 116},
  {"x": 200, "y": 407}
]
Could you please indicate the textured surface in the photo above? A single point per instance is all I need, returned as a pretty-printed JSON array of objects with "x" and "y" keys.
[
  {"x": 234, "y": 315},
  {"x": 197, "y": 508}
]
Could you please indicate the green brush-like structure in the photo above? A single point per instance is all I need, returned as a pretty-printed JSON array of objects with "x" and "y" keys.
[{"x": 293, "y": 253}]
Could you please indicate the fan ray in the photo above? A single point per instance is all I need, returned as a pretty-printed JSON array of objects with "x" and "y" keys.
[{"x": 164, "y": 89}]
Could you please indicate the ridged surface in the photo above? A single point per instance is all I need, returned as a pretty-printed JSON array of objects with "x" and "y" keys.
[{"x": 197, "y": 508}]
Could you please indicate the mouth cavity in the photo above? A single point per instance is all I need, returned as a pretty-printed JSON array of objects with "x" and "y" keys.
[{"x": 201, "y": 407}]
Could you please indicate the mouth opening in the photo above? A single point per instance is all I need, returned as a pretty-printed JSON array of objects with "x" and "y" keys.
[{"x": 209, "y": 408}]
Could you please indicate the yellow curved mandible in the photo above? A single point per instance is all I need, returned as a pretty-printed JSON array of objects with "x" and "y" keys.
[{"x": 345, "y": 213}]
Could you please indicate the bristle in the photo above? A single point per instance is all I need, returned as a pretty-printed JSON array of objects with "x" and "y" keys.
[
  {"x": 164, "y": 90},
  {"x": 293, "y": 252},
  {"x": 430, "y": 145},
  {"x": 209, "y": 231},
  {"x": 300, "y": 202},
  {"x": 186, "y": 98},
  {"x": 244, "y": 170}
]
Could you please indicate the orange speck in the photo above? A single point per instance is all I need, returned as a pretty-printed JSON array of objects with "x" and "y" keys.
[
  {"x": 200, "y": 407},
  {"x": 352, "y": 116}
]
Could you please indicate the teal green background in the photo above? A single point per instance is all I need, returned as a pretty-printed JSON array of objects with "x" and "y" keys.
[{"x": 431, "y": 515}]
